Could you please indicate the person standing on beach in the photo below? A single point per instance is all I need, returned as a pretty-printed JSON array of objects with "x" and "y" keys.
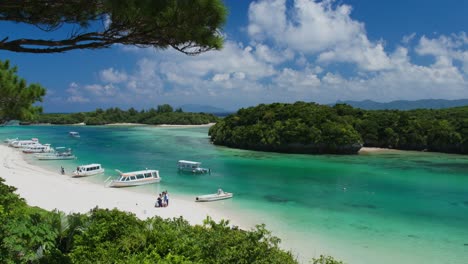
[
  {"x": 62, "y": 170},
  {"x": 166, "y": 198}
]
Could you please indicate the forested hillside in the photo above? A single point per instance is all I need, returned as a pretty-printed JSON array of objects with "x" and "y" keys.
[
  {"x": 164, "y": 114},
  {"x": 311, "y": 128}
]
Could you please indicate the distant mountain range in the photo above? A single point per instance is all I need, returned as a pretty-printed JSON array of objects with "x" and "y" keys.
[
  {"x": 407, "y": 105},
  {"x": 195, "y": 108}
]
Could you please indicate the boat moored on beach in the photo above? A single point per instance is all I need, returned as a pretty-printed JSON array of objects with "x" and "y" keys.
[
  {"x": 39, "y": 148},
  {"x": 135, "y": 178},
  {"x": 9, "y": 140},
  {"x": 23, "y": 143},
  {"x": 220, "y": 195},
  {"x": 61, "y": 153},
  {"x": 88, "y": 170},
  {"x": 191, "y": 166}
]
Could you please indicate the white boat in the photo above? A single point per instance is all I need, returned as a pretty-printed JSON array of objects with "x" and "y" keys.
[
  {"x": 39, "y": 148},
  {"x": 74, "y": 134},
  {"x": 191, "y": 166},
  {"x": 9, "y": 140},
  {"x": 60, "y": 153},
  {"x": 88, "y": 170},
  {"x": 220, "y": 195},
  {"x": 135, "y": 178},
  {"x": 23, "y": 143}
]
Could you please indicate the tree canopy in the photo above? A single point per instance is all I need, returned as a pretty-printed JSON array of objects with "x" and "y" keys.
[
  {"x": 164, "y": 114},
  {"x": 16, "y": 97},
  {"x": 189, "y": 26}
]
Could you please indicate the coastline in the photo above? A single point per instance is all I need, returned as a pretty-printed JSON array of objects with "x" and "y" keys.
[
  {"x": 51, "y": 190},
  {"x": 365, "y": 150},
  {"x": 162, "y": 125}
]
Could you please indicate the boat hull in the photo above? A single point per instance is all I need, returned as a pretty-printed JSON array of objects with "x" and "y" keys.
[
  {"x": 213, "y": 197},
  {"x": 55, "y": 157},
  {"x": 88, "y": 173},
  {"x": 119, "y": 184}
]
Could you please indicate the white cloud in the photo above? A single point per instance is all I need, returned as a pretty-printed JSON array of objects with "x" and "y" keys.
[
  {"x": 112, "y": 76},
  {"x": 299, "y": 81},
  {"x": 312, "y": 27},
  {"x": 446, "y": 48},
  {"x": 77, "y": 99},
  {"x": 107, "y": 90},
  {"x": 221, "y": 77}
]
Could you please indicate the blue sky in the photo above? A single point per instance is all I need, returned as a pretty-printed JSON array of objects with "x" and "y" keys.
[{"x": 275, "y": 51}]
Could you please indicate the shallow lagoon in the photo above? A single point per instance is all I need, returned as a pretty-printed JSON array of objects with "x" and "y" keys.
[{"x": 390, "y": 207}]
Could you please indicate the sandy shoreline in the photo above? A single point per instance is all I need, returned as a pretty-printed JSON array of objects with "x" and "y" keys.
[
  {"x": 163, "y": 125},
  {"x": 50, "y": 190},
  {"x": 376, "y": 150}
]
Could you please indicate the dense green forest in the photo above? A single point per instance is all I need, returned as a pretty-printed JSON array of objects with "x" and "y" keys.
[
  {"x": 164, "y": 114},
  {"x": 312, "y": 128},
  {"x": 33, "y": 235}
]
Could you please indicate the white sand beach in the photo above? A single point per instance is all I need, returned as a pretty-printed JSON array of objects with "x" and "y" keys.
[
  {"x": 163, "y": 125},
  {"x": 204, "y": 125},
  {"x": 51, "y": 190},
  {"x": 376, "y": 150}
]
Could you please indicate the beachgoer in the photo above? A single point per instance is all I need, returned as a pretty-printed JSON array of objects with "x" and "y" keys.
[
  {"x": 62, "y": 170},
  {"x": 160, "y": 201},
  {"x": 166, "y": 198}
]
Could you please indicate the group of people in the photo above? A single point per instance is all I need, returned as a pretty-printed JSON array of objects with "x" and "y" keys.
[{"x": 163, "y": 200}]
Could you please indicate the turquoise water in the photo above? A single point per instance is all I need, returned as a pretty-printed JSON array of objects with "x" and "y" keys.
[{"x": 394, "y": 207}]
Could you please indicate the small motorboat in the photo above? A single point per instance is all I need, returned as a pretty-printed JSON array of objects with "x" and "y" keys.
[
  {"x": 191, "y": 166},
  {"x": 220, "y": 195},
  {"x": 60, "y": 153},
  {"x": 74, "y": 134},
  {"x": 39, "y": 148},
  {"x": 88, "y": 170},
  {"x": 9, "y": 140},
  {"x": 135, "y": 178}
]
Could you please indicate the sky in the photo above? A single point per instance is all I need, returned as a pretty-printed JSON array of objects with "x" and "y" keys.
[{"x": 274, "y": 51}]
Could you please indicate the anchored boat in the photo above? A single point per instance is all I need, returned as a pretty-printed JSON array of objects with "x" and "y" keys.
[
  {"x": 39, "y": 148},
  {"x": 61, "y": 153},
  {"x": 74, "y": 134},
  {"x": 191, "y": 166},
  {"x": 135, "y": 178},
  {"x": 220, "y": 195},
  {"x": 23, "y": 143},
  {"x": 88, "y": 170}
]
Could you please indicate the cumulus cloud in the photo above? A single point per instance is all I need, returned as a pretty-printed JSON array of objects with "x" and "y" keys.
[
  {"x": 77, "y": 99},
  {"x": 313, "y": 27},
  {"x": 446, "y": 48},
  {"x": 112, "y": 76}
]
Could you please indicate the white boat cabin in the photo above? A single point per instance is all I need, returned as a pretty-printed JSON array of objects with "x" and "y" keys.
[
  {"x": 74, "y": 134},
  {"x": 60, "y": 153},
  {"x": 24, "y": 143},
  {"x": 87, "y": 170},
  {"x": 191, "y": 166},
  {"x": 135, "y": 178},
  {"x": 39, "y": 148}
]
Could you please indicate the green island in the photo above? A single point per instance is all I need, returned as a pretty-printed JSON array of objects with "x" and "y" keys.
[
  {"x": 34, "y": 235},
  {"x": 341, "y": 129},
  {"x": 164, "y": 114}
]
